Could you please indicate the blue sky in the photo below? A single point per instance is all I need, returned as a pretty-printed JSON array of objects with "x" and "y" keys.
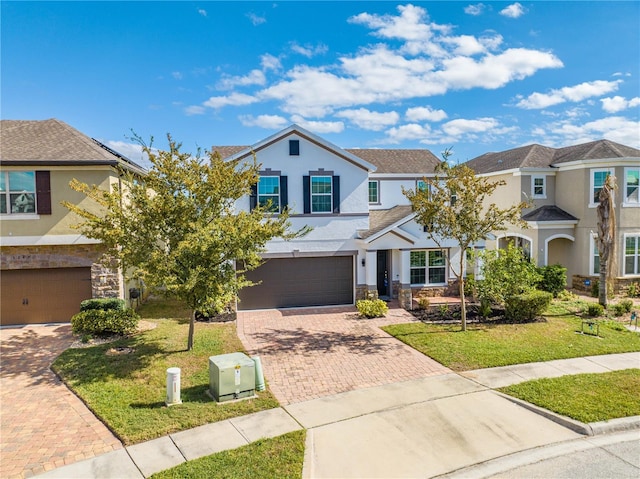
[{"x": 474, "y": 76}]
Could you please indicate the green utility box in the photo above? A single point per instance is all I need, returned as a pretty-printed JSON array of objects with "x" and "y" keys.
[{"x": 231, "y": 376}]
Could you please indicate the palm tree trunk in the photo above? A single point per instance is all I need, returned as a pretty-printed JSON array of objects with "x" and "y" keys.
[{"x": 602, "y": 285}]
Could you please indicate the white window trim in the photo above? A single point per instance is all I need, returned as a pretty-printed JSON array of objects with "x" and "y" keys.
[
  {"x": 624, "y": 255},
  {"x": 593, "y": 248},
  {"x": 543, "y": 196},
  {"x": 330, "y": 195},
  {"x": 625, "y": 203},
  {"x": 426, "y": 267},
  {"x": 592, "y": 174},
  {"x": 377, "y": 202}
]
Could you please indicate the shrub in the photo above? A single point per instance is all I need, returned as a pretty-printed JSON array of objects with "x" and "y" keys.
[
  {"x": 423, "y": 303},
  {"x": 484, "y": 309},
  {"x": 101, "y": 322},
  {"x": 527, "y": 306},
  {"x": 595, "y": 309},
  {"x": 103, "y": 304},
  {"x": 595, "y": 289},
  {"x": 566, "y": 295},
  {"x": 554, "y": 279},
  {"x": 624, "y": 306},
  {"x": 633, "y": 290},
  {"x": 372, "y": 308},
  {"x": 618, "y": 309}
]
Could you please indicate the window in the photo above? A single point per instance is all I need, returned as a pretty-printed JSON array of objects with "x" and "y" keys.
[
  {"x": 598, "y": 178},
  {"x": 17, "y": 192},
  {"x": 374, "y": 193},
  {"x": 538, "y": 186},
  {"x": 269, "y": 191},
  {"x": 294, "y": 147},
  {"x": 595, "y": 256},
  {"x": 632, "y": 255},
  {"x": 631, "y": 186},
  {"x": 422, "y": 185},
  {"x": 428, "y": 267},
  {"x": 321, "y": 194}
]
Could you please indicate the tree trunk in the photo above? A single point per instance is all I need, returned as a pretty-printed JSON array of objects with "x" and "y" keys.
[
  {"x": 192, "y": 324},
  {"x": 602, "y": 284},
  {"x": 463, "y": 301}
]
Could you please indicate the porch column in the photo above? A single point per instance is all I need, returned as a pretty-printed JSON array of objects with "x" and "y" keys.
[
  {"x": 372, "y": 274},
  {"x": 405, "y": 297}
]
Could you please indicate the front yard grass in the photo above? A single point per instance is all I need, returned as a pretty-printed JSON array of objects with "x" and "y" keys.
[
  {"x": 486, "y": 345},
  {"x": 126, "y": 388},
  {"x": 281, "y": 457},
  {"x": 584, "y": 397}
]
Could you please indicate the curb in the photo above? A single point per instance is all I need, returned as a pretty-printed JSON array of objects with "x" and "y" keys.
[{"x": 587, "y": 429}]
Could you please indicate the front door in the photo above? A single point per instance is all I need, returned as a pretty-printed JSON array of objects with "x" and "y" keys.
[{"x": 383, "y": 273}]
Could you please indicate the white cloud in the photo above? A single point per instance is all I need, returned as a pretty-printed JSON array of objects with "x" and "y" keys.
[
  {"x": 514, "y": 10},
  {"x": 255, "y": 19},
  {"x": 411, "y": 131},
  {"x": 369, "y": 120},
  {"x": 232, "y": 99},
  {"x": 424, "y": 113},
  {"x": 570, "y": 93},
  {"x": 177, "y": 75},
  {"x": 202, "y": 12},
  {"x": 319, "y": 126},
  {"x": 618, "y": 103},
  {"x": 254, "y": 77},
  {"x": 615, "y": 128},
  {"x": 475, "y": 10},
  {"x": 264, "y": 121},
  {"x": 269, "y": 62},
  {"x": 309, "y": 50},
  {"x": 460, "y": 127},
  {"x": 194, "y": 110}
]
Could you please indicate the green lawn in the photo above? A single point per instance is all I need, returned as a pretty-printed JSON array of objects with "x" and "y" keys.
[
  {"x": 584, "y": 397},
  {"x": 278, "y": 458},
  {"x": 490, "y": 345},
  {"x": 128, "y": 391}
]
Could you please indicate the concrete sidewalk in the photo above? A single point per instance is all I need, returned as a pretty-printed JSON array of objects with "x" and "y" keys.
[{"x": 419, "y": 428}]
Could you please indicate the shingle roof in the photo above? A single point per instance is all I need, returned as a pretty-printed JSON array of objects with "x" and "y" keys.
[
  {"x": 51, "y": 142},
  {"x": 381, "y": 219},
  {"x": 538, "y": 156},
  {"x": 549, "y": 213},
  {"x": 398, "y": 160},
  {"x": 227, "y": 151}
]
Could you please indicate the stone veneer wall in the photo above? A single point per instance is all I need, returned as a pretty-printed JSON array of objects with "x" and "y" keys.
[
  {"x": 105, "y": 280},
  {"x": 621, "y": 285}
]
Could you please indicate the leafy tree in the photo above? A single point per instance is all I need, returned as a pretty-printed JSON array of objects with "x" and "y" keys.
[
  {"x": 506, "y": 273},
  {"x": 178, "y": 227},
  {"x": 453, "y": 207}
]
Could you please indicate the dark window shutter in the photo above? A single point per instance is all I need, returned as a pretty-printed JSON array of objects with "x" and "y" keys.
[
  {"x": 43, "y": 192},
  {"x": 294, "y": 147},
  {"x": 253, "y": 197},
  {"x": 306, "y": 193},
  {"x": 336, "y": 194},
  {"x": 284, "y": 193}
]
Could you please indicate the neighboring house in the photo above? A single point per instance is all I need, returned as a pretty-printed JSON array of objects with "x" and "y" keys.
[
  {"x": 47, "y": 267},
  {"x": 364, "y": 242},
  {"x": 563, "y": 184}
]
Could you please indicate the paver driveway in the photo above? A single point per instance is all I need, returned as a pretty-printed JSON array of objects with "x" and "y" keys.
[
  {"x": 43, "y": 425},
  {"x": 314, "y": 352}
]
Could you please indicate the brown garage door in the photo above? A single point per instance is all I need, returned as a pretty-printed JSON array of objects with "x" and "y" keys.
[
  {"x": 42, "y": 295},
  {"x": 295, "y": 282}
]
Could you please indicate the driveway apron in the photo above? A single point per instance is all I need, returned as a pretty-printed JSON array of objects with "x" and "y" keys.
[
  {"x": 43, "y": 425},
  {"x": 310, "y": 353}
]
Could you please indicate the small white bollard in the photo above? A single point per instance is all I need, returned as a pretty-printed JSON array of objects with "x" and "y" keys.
[{"x": 173, "y": 387}]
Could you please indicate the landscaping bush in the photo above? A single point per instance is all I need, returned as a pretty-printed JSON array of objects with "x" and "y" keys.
[
  {"x": 566, "y": 295},
  {"x": 595, "y": 310},
  {"x": 485, "y": 308},
  {"x": 101, "y": 323},
  {"x": 103, "y": 304},
  {"x": 527, "y": 306},
  {"x": 372, "y": 308},
  {"x": 595, "y": 289},
  {"x": 627, "y": 305},
  {"x": 424, "y": 303},
  {"x": 554, "y": 279},
  {"x": 622, "y": 307},
  {"x": 633, "y": 290}
]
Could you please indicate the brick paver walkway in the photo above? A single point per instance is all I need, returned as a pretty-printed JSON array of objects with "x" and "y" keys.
[
  {"x": 43, "y": 425},
  {"x": 315, "y": 352}
]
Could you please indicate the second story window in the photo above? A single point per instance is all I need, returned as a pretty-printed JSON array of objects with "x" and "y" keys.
[
  {"x": 598, "y": 178},
  {"x": 17, "y": 192},
  {"x": 374, "y": 192},
  {"x": 631, "y": 186},
  {"x": 294, "y": 147},
  {"x": 269, "y": 192},
  {"x": 321, "y": 194},
  {"x": 538, "y": 187}
]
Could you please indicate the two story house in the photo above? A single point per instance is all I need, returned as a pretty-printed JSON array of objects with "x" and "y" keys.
[
  {"x": 364, "y": 241},
  {"x": 47, "y": 267},
  {"x": 563, "y": 185}
]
